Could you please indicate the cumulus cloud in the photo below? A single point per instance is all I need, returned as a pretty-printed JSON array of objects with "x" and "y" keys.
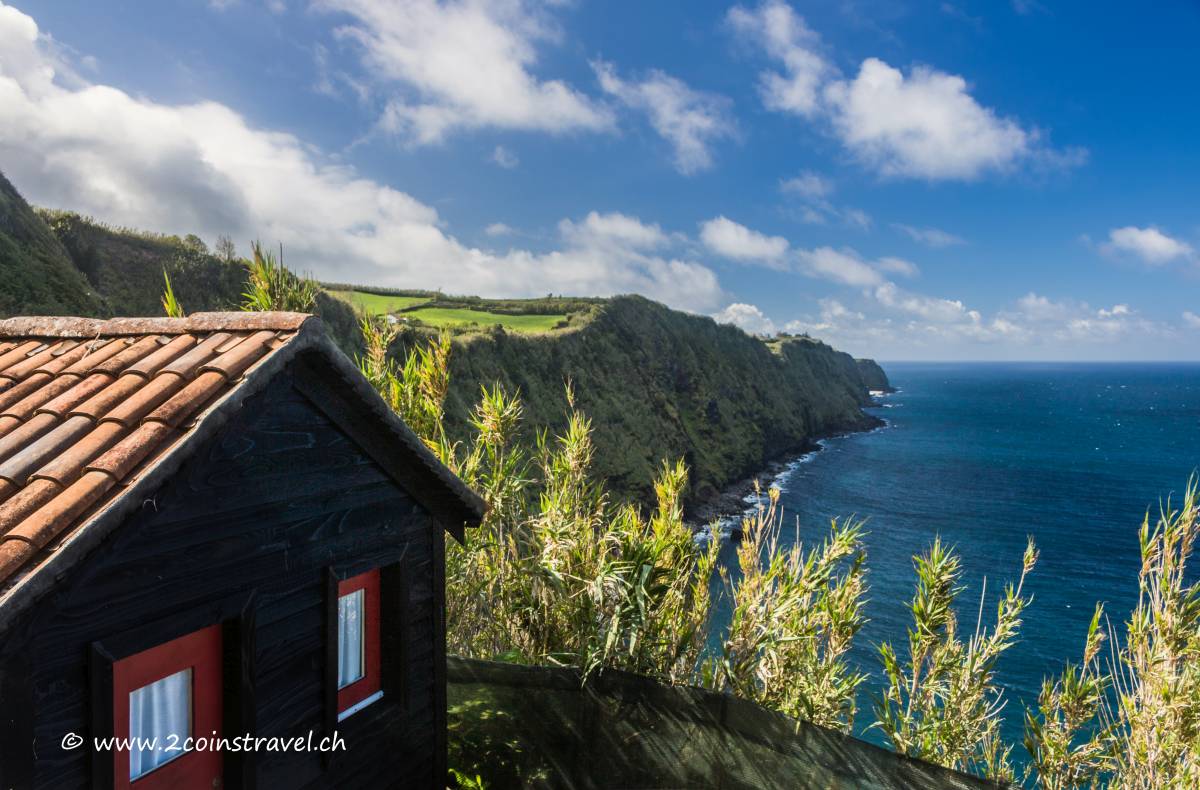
[
  {"x": 734, "y": 240},
  {"x": 928, "y": 307},
  {"x": 690, "y": 120},
  {"x": 202, "y": 168},
  {"x": 930, "y": 237},
  {"x": 923, "y": 124},
  {"x": 463, "y": 65},
  {"x": 906, "y": 325},
  {"x": 1043, "y": 308},
  {"x": 505, "y": 158},
  {"x": 1067, "y": 319},
  {"x": 613, "y": 229},
  {"x": 1150, "y": 244},
  {"x": 786, "y": 38},
  {"x": 843, "y": 266},
  {"x": 746, "y": 316},
  {"x": 1191, "y": 320},
  {"x": 498, "y": 229}
]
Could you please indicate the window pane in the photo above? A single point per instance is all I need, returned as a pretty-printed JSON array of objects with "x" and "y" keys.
[
  {"x": 351, "y": 632},
  {"x": 160, "y": 721}
]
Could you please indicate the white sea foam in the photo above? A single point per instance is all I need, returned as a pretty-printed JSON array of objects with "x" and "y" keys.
[{"x": 781, "y": 480}]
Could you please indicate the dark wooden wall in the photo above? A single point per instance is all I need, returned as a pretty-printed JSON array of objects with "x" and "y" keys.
[{"x": 270, "y": 503}]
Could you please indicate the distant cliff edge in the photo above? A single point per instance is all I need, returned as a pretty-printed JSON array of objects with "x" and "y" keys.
[
  {"x": 661, "y": 384},
  {"x": 873, "y": 376}
]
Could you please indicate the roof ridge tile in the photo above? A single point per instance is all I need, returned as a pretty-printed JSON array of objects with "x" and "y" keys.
[{"x": 71, "y": 326}]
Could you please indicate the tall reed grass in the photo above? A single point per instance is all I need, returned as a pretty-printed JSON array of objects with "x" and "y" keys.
[{"x": 560, "y": 574}]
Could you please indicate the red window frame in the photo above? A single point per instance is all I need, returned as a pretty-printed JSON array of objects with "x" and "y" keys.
[
  {"x": 199, "y": 651},
  {"x": 371, "y": 681}
]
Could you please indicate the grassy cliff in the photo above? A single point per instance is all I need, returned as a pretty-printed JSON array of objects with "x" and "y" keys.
[
  {"x": 660, "y": 384},
  {"x": 873, "y": 376}
]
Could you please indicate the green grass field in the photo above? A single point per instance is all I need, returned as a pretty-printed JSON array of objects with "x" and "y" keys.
[
  {"x": 451, "y": 316},
  {"x": 379, "y": 304}
]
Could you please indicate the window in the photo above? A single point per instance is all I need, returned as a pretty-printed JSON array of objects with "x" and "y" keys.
[
  {"x": 358, "y": 660},
  {"x": 162, "y": 697}
]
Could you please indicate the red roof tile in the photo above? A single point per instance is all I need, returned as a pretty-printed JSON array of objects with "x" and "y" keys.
[{"x": 86, "y": 405}]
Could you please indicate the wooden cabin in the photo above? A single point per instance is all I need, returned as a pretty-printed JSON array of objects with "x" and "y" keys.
[{"x": 213, "y": 527}]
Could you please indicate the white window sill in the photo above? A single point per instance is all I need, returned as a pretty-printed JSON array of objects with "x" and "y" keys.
[{"x": 356, "y": 707}]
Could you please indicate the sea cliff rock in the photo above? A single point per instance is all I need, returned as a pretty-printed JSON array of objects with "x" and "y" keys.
[
  {"x": 659, "y": 384},
  {"x": 873, "y": 376}
]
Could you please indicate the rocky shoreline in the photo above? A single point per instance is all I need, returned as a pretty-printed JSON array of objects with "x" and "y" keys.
[{"x": 731, "y": 502}]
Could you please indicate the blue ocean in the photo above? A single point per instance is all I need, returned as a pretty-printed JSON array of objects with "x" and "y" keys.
[{"x": 987, "y": 454}]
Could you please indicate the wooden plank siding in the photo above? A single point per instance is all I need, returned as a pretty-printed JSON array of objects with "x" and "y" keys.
[{"x": 270, "y": 503}]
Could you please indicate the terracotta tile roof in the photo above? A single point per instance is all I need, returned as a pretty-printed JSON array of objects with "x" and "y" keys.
[{"x": 87, "y": 405}]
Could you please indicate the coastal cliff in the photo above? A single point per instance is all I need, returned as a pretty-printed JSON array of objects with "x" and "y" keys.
[
  {"x": 661, "y": 384},
  {"x": 873, "y": 376},
  {"x": 658, "y": 384}
]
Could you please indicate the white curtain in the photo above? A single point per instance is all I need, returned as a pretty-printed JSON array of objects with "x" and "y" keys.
[
  {"x": 158, "y": 711},
  {"x": 350, "y": 638}
]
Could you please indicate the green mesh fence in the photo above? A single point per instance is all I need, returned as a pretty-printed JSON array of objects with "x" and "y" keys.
[{"x": 519, "y": 726}]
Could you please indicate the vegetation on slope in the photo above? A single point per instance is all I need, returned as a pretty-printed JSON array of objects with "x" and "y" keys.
[
  {"x": 561, "y": 573},
  {"x": 36, "y": 272},
  {"x": 660, "y": 385},
  {"x": 61, "y": 263}
]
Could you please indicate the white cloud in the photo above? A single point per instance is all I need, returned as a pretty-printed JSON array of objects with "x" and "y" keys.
[
  {"x": 202, "y": 168},
  {"x": 841, "y": 266},
  {"x": 930, "y": 237},
  {"x": 1042, "y": 308},
  {"x": 734, "y": 240},
  {"x": 498, "y": 229},
  {"x": 1150, "y": 244},
  {"x": 746, "y": 316},
  {"x": 1069, "y": 320},
  {"x": 807, "y": 185},
  {"x": 899, "y": 324},
  {"x": 856, "y": 218},
  {"x": 898, "y": 266},
  {"x": 813, "y": 192},
  {"x": 924, "y": 124},
  {"x": 691, "y": 121},
  {"x": 614, "y": 228},
  {"x": 1191, "y": 319},
  {"x": 787, "y": 39},
  {"x": 505, "y": 158},
  {"x": 463, "y": 65},
  {"x": 928, "y": 307}
]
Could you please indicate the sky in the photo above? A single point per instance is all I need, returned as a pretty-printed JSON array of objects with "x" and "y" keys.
[{"x": 942, "y": 180}]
